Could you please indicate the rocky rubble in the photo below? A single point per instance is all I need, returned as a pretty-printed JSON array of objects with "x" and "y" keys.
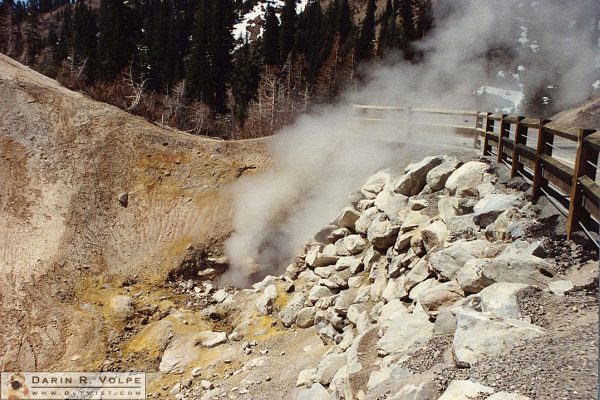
[
  {"x": 419, "y": 280},
  {"x": 391, "y": 276}
]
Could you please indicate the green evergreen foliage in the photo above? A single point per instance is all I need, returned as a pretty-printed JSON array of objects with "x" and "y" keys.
[
  {"x": 210, "y": 65},
  {"x": 287, "y": 31},
  {"x": 84, "y": 38},
  {"x": 270, "y": 44},
  {"x": 364, "y": 44},
  {"x": 117, "y": 37}
]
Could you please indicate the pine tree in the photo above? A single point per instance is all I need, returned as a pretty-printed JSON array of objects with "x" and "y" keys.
[
  {"x": 408, "y": 19},
  {"x": 117, "y": 34},
  {"x": 287, "y": 31},
  {"x": 198, "y": 80},
  {"x": 6, "y": 20},
  {"x": 364, "y": 44},
  {"x": 32, "y": 40},
  {"x": 245, "y": 79},
  {"x": 84, "y": 39},
  {"x": 270, "y": 45},
  {"x": 344, "y": 21},
  {"x": 210, "y": 65},
  {"x": 223, "y": 18},
  {"x": 424, "y": 19}
]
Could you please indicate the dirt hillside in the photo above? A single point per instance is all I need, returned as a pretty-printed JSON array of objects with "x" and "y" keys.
[{"x": 91, "y": 195}]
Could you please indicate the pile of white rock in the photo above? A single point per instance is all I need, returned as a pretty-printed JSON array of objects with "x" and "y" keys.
[{"x": 440, "y": 251}]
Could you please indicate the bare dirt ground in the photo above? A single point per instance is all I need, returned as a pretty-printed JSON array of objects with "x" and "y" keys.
[{"x": 64, "y": 162}]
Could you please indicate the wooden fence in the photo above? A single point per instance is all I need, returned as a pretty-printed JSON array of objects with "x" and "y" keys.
[{"x": 560, "y": 163}]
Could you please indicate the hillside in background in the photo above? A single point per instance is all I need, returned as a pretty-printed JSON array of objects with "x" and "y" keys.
[{"x": 219, "y": 68}]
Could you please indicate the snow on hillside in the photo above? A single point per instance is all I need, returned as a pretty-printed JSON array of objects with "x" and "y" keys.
[{"x": 250, "y": 23}]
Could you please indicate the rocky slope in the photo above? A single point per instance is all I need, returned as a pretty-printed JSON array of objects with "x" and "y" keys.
[
  {"x": 444, "y": 282},
  {"x": 92, "y": 196}
]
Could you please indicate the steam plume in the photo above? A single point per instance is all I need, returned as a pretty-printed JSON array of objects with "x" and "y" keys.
[{"x": 322, "y": 157}]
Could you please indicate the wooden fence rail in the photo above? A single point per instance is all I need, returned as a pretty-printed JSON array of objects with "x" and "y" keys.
[{"x": 560, "y": 163}]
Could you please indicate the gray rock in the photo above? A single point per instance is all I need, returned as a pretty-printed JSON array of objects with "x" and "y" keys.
[
  {"x": 316, "y": 392},
  {"x": 403, "y": 242},
  {"x": 395, "y": 267},
  {"x": 382, "y": 234},
  {"x": 466, "y": 177},
  {"x": 413, "y": 220},
  {"x": 348, "y": 218},
  {"x": 405, "y": 334},
  {"x": 350, "y": 245},
  {"x": 417, "y": 204},
  {"x": 211, "y": 339},
  {"x": 264, "y": 303},
  {"x": 436, "y": 178},
  {"x": 179, "y": 354},
  {"x": 465, "y": 390},
  {"x": 123, "y": 199},
  {"x": 560, "y": 287},
  {"x": 306, "y": 377},
  {"x": 377, "y": 182},
  {"x": 338, "y": 234},
  {"x": 306, "y": 317},
  {"x": 434, "y": 235},
  {"x": 417, "y": 274},
  {"x": 391, "y": 204},
  {"x": 489, "y": 208},
  {"x": 356, "y": 197},
  {"x": 390, "y": 311},
  {"x": 325, "y": 272},
  {"x": 440, "y": 297},
  {"x": 365, "y": 220},
  {"x": 316, "y": 259},
  {"x": 421, "y": 288},
  {"x": 371, "y": 257},
  {"x": 220, "y": 296},
  {"x": 484, "y": 334},
  {"x": 319, "y": 292},
  {"x": 290, "y": 312},
  {"x": 354, "y": 264},
  {"x": 507, "y": 396},
  {"x": 501, "y": 299},
  {"x": 322, "y": 235},
  {"x": 328, "y": 367},
  {"x": 122, "y": 307},
  {"x": 447, "y": 262},
  {"x": 415, "y": 176}
]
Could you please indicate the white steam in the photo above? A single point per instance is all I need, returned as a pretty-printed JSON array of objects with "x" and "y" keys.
[{"x": 509, "y": 44}]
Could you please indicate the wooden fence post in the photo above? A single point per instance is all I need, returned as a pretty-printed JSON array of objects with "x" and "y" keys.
[
  {"x": 543, "y": 147},
  {"x": 520, "y": 138},
  {"x": 504, "y": 128},
  {"x": 478, "y": 121},
  {"x": 577, "y": 212},
  {"x": 489, "y": 127}
]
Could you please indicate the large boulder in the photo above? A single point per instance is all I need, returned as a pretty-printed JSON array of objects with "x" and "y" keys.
[
  {"x": 440, "y": 297},
  {"x": 391, "y": 204},
  {"x": 382, "y": 233},
  {"x": 350, "y": 245},
  {"x": 264, "y": 303},
  {"x": 315, "y": 392},
  {"x": 436, "y": 178},
  {"x": 466, "y": 390},
  {"x": 290, "y": 312},
  {"x": 489, "y": 208},
  {"x": 316, "y": 259},
  {"x": 414, "y": 178},
  {"x": 376, "y": 183},
  {"x": 366, "y": 218},
  {"x": 405, "y": 334},
  {"x": 466, "y": 177},
  {"x": 483, "y": 334},
  {"x": 447, "y": 262},
  {"x": 509, "y": 266},
  {"x": 417, "y": 274},
  {"x": 347, "y": 218},
  {"x": 434, "y": 235},
  {"x": 306, "y": 317},
  {"x": 502, "y": 299}
]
